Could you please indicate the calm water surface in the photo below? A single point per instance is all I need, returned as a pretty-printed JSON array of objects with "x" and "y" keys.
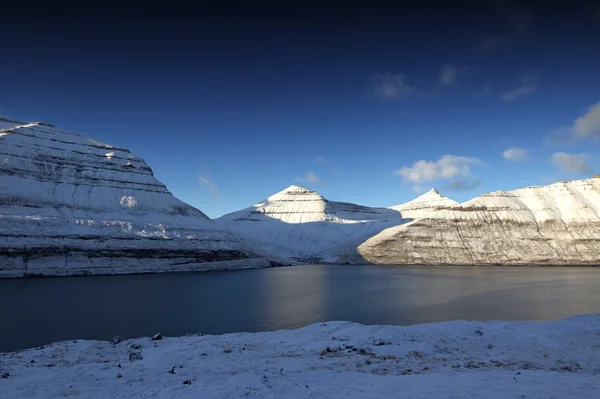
[{"x": 34, "y": 312}]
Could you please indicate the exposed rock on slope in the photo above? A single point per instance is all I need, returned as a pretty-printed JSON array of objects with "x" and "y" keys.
[
  {"x": 302, "y": 225},
  {"x": 557, "y": 224},
  {"x": 72, "y": 205}
]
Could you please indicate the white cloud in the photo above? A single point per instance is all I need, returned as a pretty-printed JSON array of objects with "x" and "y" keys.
[
  {"x": 588, "y": 125},
  {"x": 447, "y": 75},
  {"x": 309, "y": 178},
  {"x": 206, "y": 182},
  {"x": 392, "y": 87},
  {"x": 575, "y": 163},
  {"x": 515, "y": 154},
  {"x": 527, "y": 85},
  {"x": 447, "y": 167}
]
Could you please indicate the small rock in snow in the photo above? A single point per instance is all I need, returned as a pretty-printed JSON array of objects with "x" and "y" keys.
[
  {"x": 135, "y": 356},
  {"x": 157, "y": 337},
  {"x": 116, "y": 340},
  {"x": 187, "y": 382}
]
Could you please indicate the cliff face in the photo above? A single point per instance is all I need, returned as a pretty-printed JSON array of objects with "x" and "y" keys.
[
  {"x": 72, "y": 205},
  {"x": 557, "y": 224}
]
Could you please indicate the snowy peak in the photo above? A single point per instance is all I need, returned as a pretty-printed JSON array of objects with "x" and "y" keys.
[
  {"x": 45, "y": 165},
  {"x": 431, "y": 199},
  {"x": 558, "y": 224},
  {"x": 300, "y": 205},
  {"x": 300, "y": 224},
  {"x": 71, "y": 205},
  {"x": 295, "y": 193},
  {"x": 293, "y": 205}
]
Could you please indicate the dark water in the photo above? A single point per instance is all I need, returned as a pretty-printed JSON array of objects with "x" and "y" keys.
[{"x": 39, "y": 311}]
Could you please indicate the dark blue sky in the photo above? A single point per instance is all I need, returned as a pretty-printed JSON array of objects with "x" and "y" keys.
[{"x": 367, "y": 102}]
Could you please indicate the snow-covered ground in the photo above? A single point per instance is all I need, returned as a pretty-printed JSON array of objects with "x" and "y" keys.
[{"x": 559, "y": 359}]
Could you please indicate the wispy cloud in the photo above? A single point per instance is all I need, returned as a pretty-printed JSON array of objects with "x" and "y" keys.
[
  {"x": 587, "y": 126},
  {"x": 515, "y": 154},
  {"x": 402, "y": 87},
  {"x": 517, "y": 23},
  {"x": 309, "y": 178},
  {"x": 448, "y": 75},
  {"x": 463, "y": 185},
  {"x": 391, "y": 86},
  {"x": 574, "y": 163},
  {"x": 447, "y": 167},
  {"x": 527, "y": 85},
  {"x": 206, "y": 183}
]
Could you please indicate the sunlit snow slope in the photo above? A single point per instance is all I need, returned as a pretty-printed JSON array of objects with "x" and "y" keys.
[
  {"x": 72, "y": 205},
  {"x": 302, "y": 225},
  {"x": 557, "y": 224}
]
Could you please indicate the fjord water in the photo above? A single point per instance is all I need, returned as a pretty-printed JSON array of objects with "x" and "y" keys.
[{"x": 40, "y": 311}]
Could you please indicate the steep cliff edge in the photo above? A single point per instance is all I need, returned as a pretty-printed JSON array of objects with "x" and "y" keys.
[{"x": 71, "y": 205}]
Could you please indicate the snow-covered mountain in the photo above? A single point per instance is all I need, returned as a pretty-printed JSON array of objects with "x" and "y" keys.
[
  {"x": 556, "y": 224},
  {"x": 427, "y": 203},
  {"x": 72, "y": 205},
  {"x": 300, "y": 224}
]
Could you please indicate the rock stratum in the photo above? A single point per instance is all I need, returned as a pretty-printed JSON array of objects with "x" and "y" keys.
[
  {"x": 557, "y": 224},
  {"x": 70, "y": 205}
]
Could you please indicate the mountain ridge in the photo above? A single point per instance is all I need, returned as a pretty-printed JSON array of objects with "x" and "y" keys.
[
  {"x": 574, "y": 205},
  {"x": 73, "y": 205}
]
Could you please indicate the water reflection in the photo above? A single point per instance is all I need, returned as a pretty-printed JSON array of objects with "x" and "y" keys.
[
  {"x": 294, "y": 297},
  {"x": 40, "y": 311}
]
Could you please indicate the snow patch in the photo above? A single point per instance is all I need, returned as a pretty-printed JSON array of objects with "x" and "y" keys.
[{"x": 128, "y": 201}]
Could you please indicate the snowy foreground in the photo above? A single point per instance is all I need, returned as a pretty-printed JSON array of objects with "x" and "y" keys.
[{"x": 460, "y": 359}]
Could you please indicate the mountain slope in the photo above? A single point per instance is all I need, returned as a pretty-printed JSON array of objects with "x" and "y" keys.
[
  {"x": 73, "y": 205},
  {"x": 300, "y": 224},
  {"x": 557, "y": 224}
]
